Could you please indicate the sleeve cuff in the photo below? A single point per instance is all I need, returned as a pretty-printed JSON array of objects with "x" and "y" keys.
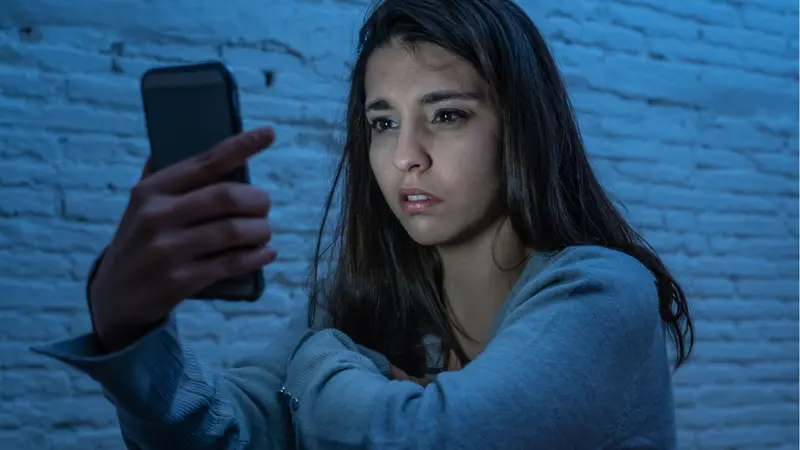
[
  {"x": 380, "y": 361},
  {"x": 141, "y": 379}
]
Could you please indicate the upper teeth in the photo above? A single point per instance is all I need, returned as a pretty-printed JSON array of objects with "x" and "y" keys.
[{"x": 416, "y": 198}]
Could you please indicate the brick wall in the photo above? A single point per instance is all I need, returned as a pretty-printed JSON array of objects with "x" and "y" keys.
[{"x": 689, "y": 109}]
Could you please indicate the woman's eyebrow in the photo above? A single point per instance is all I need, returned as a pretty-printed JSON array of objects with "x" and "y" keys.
[
  {"x": 440, "y": 96},
  {"x": 429, "y": 99}
]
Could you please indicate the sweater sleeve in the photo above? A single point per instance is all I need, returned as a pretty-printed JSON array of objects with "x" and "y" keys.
[
  {"x": 557, "y": 374},
  {"x": 166, "y": 398}
]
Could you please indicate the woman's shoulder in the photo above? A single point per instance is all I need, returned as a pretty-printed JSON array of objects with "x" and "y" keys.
[
  {"x": 597, "y": 278},
  {"x": 600, "y": 265}
]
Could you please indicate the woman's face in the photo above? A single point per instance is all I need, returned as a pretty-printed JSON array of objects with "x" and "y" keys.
[{"x": 435, "y": 143}]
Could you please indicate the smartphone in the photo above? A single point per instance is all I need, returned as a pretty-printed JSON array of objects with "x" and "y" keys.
[{"x": 188, "y": 110}]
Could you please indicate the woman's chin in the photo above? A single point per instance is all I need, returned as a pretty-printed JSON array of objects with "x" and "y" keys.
[
  {"x": 427, "y": 234},
  {"x": 428, "y": 231}
]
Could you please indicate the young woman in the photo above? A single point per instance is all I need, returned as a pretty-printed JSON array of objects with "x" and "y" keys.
[{"x": 483, "y": 291}]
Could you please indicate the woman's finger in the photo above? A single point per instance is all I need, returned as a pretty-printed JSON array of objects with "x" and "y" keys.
[{"x": 398, "y": 374}]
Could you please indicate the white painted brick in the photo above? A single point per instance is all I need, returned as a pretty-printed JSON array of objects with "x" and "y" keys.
[{"x": 688, "y": 108}]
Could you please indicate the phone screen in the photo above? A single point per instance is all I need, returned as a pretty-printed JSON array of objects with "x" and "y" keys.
[{"x": 188, "y": 113}]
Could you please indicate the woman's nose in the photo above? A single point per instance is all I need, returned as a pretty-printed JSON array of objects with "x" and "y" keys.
[{"x": 410, "y": 154}]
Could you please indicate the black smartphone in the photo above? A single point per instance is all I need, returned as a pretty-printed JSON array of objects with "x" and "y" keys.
[{"x": 188, "y": 110}]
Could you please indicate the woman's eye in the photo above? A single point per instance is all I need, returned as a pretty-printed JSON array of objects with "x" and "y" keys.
[
  {"x": 448, "y": 116},
  {"x": 381, "y": 124}
]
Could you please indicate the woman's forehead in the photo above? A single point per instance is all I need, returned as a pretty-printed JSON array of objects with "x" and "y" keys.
[{"x": 418, "y": 70}]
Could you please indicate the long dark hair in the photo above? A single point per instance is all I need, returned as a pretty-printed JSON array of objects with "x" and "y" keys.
[{"x": 383, "y": 289}]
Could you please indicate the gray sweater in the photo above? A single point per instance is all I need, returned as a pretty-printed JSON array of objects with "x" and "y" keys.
[{"x": 577, "y": 360}]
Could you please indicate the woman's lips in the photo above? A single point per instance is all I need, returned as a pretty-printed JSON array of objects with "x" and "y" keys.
[{"x": 417, "y": 201}]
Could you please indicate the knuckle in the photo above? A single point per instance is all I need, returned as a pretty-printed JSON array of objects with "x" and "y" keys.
[
  {"x": 229, "y": 143},
  {"x": 140, "y": 193},
  {"x": 152, "y": 217},
  {"x": 225, "y": 195},
  {"x": 238, "y": 142},
  {"x": 232, "y": 231},
  {"x": 161, "y": 251},
  {"x": 177, "y": 283},
  {"x": 211, "y": 161}
]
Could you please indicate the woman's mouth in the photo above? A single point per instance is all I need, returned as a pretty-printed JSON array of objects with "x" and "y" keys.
[{"x": 417, "y": 201}]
